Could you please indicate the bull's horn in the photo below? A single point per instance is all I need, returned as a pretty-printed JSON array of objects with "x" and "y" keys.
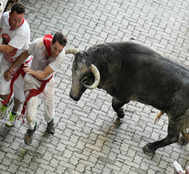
[
  {"x": 71, "y": 51},
  {"x": 96, "y": 74}
]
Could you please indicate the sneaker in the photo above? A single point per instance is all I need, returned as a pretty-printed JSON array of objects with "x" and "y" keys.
[
  {"x": 12, "y": 120},
  {"x": 50, "y": 127},
  {"x": 29, "y": 135},
  {"x": 3, "y": 109}
]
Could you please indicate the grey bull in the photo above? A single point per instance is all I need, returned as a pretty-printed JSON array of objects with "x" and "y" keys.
[{"x": 130, "y": 71}]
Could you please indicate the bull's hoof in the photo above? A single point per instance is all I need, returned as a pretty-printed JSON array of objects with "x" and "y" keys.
[
  {"x": 148, "y": 151},
  {"x": 117, "y": 122},
  {"x": 183, "y": 141},
  {"x": 120, "y": 114}
]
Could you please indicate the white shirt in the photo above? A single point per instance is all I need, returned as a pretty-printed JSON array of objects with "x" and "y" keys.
[
  {"x": 40, "y": 61},
  {"x": 19, "y": 38}
]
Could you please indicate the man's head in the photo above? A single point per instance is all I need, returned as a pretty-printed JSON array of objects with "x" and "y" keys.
[
  {"x": 16, "y": 15},
  {"x": 58, "y": 43}
]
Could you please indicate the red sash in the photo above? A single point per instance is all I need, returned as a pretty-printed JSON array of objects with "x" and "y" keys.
[
  {"x": 47, "y": 40},
  {"x": 18, "y": 72},
  {"x": 34, "y": 92}
]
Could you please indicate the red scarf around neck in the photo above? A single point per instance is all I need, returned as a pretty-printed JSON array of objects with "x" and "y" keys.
[{"x": 47, "y": 40}]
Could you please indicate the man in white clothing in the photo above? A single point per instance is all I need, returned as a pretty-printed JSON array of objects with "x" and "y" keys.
[
  {"x": 15, "y": 33},
  {"x": 48, "y": 54}
]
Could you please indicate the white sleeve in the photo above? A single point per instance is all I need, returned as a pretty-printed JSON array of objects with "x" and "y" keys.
[
  {"x": 57, "y": 64},
  {"x": 18, "y": 41}
]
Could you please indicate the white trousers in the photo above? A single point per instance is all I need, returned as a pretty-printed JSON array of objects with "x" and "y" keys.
[
  {"x": 5, "y": 85},
  {"x": 32, "y": 105}
]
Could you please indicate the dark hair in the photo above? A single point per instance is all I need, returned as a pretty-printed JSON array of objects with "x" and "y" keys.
[
  {"x": 60, "y": 38},
  {"x": 18, "y": 8}
]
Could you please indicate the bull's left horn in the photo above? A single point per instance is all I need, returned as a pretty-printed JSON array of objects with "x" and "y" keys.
[
  {"x": 71, "y": 51},
  {"x": 96, "y": 74}
]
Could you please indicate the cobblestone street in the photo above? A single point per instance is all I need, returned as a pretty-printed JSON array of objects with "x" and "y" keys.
[{"x": 85, "y": 141}]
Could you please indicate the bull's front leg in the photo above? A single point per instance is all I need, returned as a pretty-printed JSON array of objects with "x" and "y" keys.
[
  {"x": 172, "y": 137},
  {"x": 117, "y": 107}
]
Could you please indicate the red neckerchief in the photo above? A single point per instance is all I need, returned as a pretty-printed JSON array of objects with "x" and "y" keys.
[
  {"x": 47, "y": 40},
  {"x": 18, "y": 26}
]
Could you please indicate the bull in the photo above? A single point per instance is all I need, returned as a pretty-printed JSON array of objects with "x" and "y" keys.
[{"x": 131, "y": 71}]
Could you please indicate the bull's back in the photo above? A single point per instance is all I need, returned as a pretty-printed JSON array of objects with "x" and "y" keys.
[{"x": 149, "y": 77}]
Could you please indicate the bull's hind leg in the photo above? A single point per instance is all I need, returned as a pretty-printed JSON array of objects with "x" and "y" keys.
[
  {"x": 172, "y": 137},
  {"x": 117, "y": 107}
]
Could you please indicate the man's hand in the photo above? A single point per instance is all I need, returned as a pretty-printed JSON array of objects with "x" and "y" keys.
[
  {"x": 28, "y": 70},
  {"x": 8, "y": 74},
  {"x": 40, "y": 75}
]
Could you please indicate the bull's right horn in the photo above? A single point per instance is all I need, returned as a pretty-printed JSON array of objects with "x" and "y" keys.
[
  {"x": 96, "y": 74},
  {"x": 71, "y": 51}
]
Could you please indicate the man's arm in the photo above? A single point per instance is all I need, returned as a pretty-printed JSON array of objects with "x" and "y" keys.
[
  {"x": 19, "y": 60},
  {"x": 6, "y": 48},
  {"x": 40, "y": 75}
]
